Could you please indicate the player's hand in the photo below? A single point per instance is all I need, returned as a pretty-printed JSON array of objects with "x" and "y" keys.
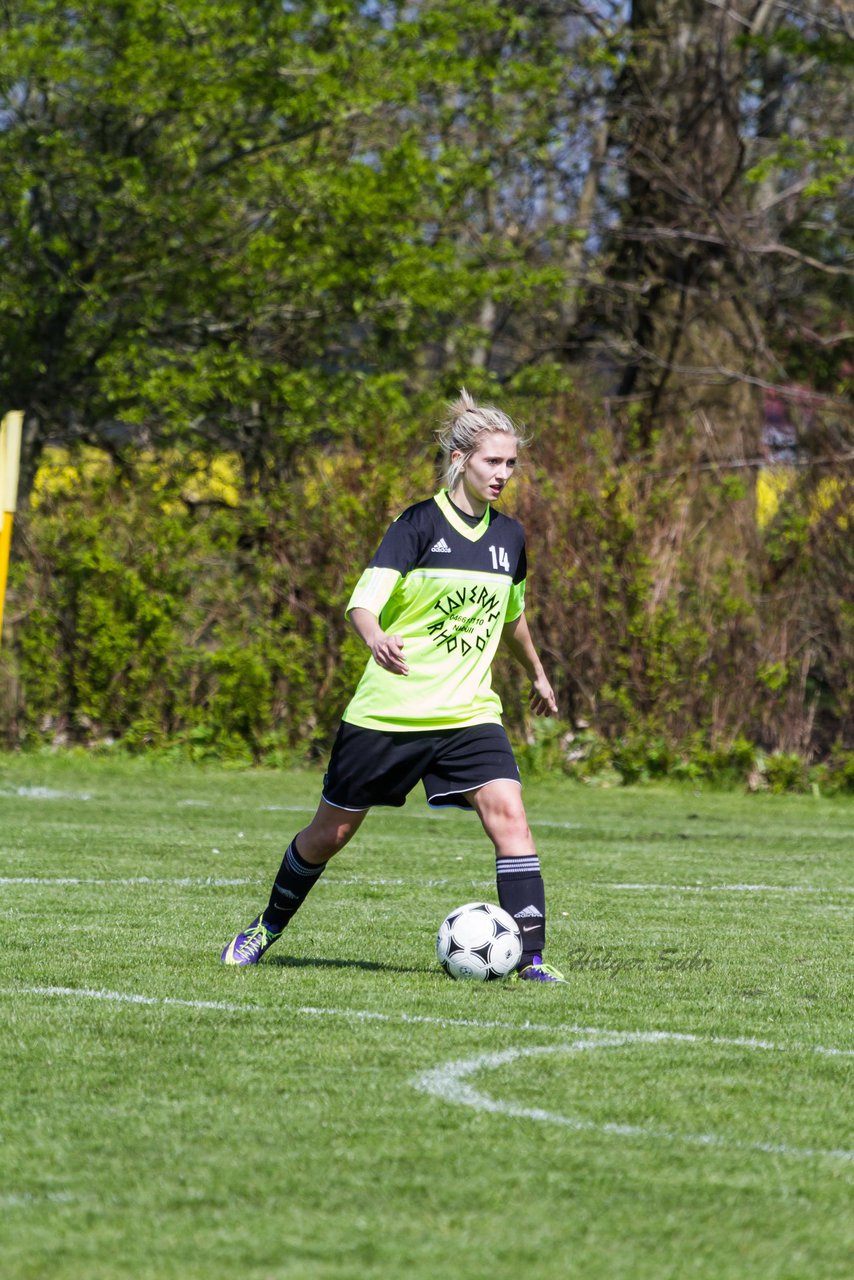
[
  {"x": 543, "y": 701},
  {"x": 388, "y": 653}
]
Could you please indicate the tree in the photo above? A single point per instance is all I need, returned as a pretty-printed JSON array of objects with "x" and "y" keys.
[
  {"x": 718, "y": 191},
  {"x": 201, "y": 208},
  {"x": 234, "y": 227},
  {"x": 694, "y": 349}
]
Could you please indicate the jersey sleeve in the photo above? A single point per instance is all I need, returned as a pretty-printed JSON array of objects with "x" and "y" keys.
[
  {"x": 516, "y": 602},
  {"x": 396, "y": 556},
  {"x": 521, "y": 567}
]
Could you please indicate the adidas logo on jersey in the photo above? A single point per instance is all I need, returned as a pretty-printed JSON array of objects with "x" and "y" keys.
[
  {"x": 528, "y": 913},
  {"x": 442, "y": 545}
]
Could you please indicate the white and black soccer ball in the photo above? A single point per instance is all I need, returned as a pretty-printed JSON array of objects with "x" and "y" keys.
[{"x": 479, "y": 941}]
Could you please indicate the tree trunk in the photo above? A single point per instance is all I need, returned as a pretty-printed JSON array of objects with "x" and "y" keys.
[{"x": 692, "y": 345}]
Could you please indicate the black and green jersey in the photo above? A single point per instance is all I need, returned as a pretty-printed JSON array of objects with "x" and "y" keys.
[{"x": 446, "y": 588}]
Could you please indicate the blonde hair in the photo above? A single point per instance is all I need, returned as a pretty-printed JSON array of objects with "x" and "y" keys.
[{"x": 465, "y": 422}]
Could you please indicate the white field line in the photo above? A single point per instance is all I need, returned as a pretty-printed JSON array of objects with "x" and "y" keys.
[
  {"x": 219, "y": 882},
  {"x": 201, "y": 882},
  {"x": 728, "y": 888},
  {"x": 431, "y": 815},
  {"x": 410, "y": 1019},
  {"x": 125, "y": 997},
  {"x": 190, "y": 802},
  {"x": 42, "y": 793},
  {"x": 450, "y": 1083},
  {"x": 49, "y": 793},
  {"x": 281, "y": 808},
  {"x": 429, "y": 882},
  {"x": 27, "y": 1199}
]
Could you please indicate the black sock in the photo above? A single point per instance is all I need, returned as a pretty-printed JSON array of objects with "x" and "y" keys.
[
  {"x": 293, "y": 883},
  {"x": 522, "y": 893}
]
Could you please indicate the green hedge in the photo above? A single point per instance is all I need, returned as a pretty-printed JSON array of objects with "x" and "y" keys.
[{"x": 142, "y": 614}]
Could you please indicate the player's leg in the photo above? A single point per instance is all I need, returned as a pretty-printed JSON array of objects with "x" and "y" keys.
[
  {"x": 339, "y": 816},
  {"x": 305, "y": 858},
  {"x": 518, "y": 875},
  {"x": 366, "y": 767},
  {"x": 475, "y": 767},
  {"x": 517, "y": 867}
]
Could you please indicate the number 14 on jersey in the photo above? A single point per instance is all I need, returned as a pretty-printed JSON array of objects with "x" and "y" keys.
[{"x": 500, "y": 558}]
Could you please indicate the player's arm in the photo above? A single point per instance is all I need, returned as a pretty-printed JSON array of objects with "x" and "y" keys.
[
  {"x": 517, "y": 638},
  {"x": 395, "y": 557},
  {"x": 386, "y": 650}
]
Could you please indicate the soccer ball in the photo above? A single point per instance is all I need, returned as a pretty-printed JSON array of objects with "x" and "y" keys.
[{"x": 479, "y": 941}]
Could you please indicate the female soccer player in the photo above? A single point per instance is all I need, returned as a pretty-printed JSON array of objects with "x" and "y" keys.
[{"x": 446, "y": 584}]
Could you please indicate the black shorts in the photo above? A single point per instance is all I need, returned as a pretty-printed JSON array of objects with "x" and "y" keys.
[{"x": 374, "y": 766}]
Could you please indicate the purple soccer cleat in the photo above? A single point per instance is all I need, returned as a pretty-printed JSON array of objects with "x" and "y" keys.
[
  {"x": 248, "y": 947},
  {"x": 536, "y": 971}
]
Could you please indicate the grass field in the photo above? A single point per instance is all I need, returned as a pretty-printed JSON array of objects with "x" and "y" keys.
[{"x": 683, "y": 1108}]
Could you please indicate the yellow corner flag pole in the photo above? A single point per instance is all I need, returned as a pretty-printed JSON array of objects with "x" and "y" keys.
[{"x": 10, "y": 457}]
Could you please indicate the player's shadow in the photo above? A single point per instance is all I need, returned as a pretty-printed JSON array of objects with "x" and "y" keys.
[{"x": 327, "y": 962}]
